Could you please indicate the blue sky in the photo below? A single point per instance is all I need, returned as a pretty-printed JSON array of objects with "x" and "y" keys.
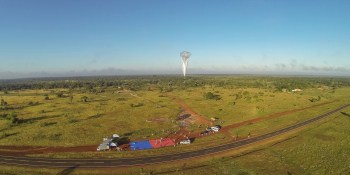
[{"x": 54, "y": 38}]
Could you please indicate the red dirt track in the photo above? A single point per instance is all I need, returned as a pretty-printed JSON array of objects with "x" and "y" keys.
[{"x": 199, "y": 117}]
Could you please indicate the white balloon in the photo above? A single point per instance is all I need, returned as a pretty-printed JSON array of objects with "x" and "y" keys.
[{"x": 185, "y": 56}]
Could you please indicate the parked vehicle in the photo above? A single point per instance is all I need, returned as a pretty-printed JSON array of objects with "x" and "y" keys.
[
  {"x": 215, "y": 128},
  {"x": 107, "y": 144},
  {"x": 185, "y": 142}
]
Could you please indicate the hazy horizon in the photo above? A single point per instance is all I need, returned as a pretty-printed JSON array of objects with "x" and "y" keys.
[
  {"x": 88, "y": 38},
  {"x": 120, "y": 72}
]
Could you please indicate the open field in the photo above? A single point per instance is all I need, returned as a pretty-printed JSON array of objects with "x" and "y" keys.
[
  {"x": 302, "y": 152},
  {"x": 143, "y": 109}
]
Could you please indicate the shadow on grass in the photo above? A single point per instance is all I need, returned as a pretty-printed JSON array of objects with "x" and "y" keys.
[
  {"x": 31, "y": 120},
  {"x": 183, "y": 117},
  {"x": 68, "y": 170},
  {"x": 123, "y": 140},
  {"x": 346, "y": 114},
  {"x": 2, "y": 130},
  {"x": 94, "y": 116},
  {"x": 192, "y": 139},
  {"x": 5, "y": 135},
  {"x": 128, "y": 134}
]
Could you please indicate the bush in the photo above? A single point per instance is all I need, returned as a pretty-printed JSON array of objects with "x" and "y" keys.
[
  {"x": 13, "y": 117},
  {"x": 3, "y": 116},
  {"x": 84, "y": 99},
  {"x": 59, "y": 94},
  {"x": 211, "y": 96},
  {"x": 3, "y": 102},
  {"x": 72, "y": 120},
  {"x": 136, "y": 105},
  {"x": 314, "y": 99},
  {"x": 47, "y": 124},
  {"x": 56, "y": 136}
]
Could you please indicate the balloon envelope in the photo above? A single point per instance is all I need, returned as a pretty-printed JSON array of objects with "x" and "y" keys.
[{"x": 185, "y": 56}]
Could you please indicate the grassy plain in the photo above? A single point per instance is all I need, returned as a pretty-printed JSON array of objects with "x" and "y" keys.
[
  {"x": 150, "y": 112},
  {"x": 321, "y": 148}
]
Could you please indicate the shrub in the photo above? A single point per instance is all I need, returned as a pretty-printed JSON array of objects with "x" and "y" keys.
[
  {"x": 72, "y": 120},
  {"x": 211, "y": 96},
  {"x": 3, "y": 102},
  {"x": 84, "y": 99},
  {"x": 47, "y": 124},
  {"x": 13, "y": 117},
  {"x": 56, "y": 136},
  {"x": 59, "y": 94},
  {"x": 136, "y": 105},
  {"x": 121, "y": 99}
]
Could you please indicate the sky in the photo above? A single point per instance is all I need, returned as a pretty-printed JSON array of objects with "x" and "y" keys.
[{"x": 40, "y": 38}]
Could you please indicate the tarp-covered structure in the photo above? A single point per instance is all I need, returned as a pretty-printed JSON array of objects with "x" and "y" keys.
[
  {"x": 140, "y": 145},
  {"x": 157, "y": 143}
]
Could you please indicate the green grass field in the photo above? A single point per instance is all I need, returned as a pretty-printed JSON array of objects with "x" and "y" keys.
[{"x": 78, "y": 117}]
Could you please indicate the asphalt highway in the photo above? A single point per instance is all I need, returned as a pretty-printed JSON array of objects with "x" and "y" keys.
[{"x": 120, "y": 162}]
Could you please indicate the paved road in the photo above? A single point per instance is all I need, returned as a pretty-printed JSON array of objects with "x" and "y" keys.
[{"x": 118, "y": 162}]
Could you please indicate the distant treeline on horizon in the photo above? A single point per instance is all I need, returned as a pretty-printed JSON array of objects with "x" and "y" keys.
[{"x": 170, "y": 82}]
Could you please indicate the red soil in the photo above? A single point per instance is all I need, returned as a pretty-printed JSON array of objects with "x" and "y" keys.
[{"x": 199, "y": 118}]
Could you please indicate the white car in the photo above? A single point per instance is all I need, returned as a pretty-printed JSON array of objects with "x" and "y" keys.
[
  {"x": 215, "y": 128},
  {"x": 185, "y": 142}
]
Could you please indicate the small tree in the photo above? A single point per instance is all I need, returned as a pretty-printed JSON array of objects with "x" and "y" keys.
[
  {"x": 211, "y": 96},
  {"x": 71, "y": 98},
  {"x": 59, "y": 94},
  {"x": 84, "y": 98},
  {"x": 13, "y": 118},
  {"x": 46, "y": 97},
  {"x": 3, "y": 102}
]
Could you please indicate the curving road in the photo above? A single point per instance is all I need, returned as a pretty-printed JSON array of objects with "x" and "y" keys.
[{"x": 119, "y": 162}]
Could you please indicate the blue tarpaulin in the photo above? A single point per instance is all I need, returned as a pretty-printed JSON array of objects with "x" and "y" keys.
[{"x": 140, "y": 145}]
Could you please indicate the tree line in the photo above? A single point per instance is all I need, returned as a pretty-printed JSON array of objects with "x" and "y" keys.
[{"x": 169, "y": 83}]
